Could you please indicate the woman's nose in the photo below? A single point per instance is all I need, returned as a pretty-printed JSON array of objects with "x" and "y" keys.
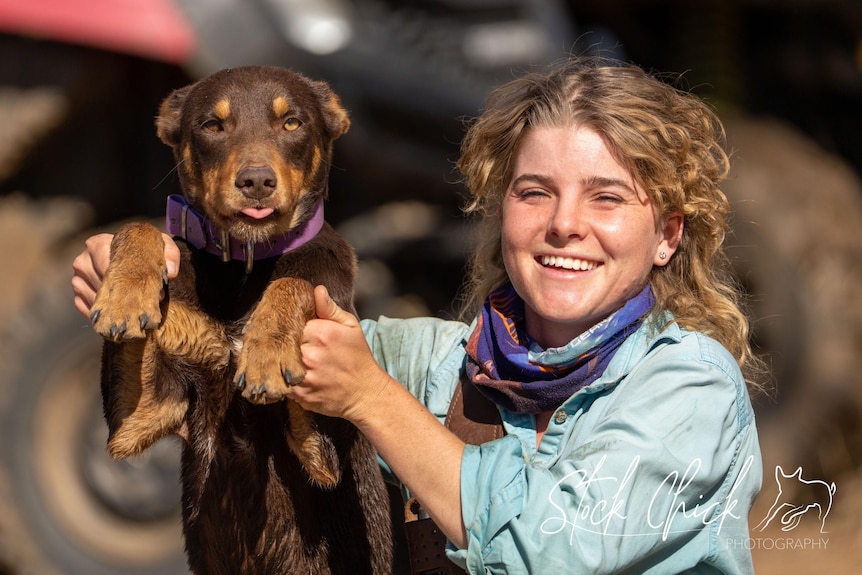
[{"x": 566, "y": 221}]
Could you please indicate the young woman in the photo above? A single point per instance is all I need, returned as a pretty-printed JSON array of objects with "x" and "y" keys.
[{"x": 605, "y": 330}]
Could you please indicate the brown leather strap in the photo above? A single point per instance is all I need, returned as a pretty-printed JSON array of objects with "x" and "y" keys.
[
  {"x": 475, "y": 420},
  {"x": 426, "y": 544},
  {"x": 473, "y": 417}
]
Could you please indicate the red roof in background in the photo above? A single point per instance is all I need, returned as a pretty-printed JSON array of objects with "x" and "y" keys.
[{"x": 153, "y": 29}]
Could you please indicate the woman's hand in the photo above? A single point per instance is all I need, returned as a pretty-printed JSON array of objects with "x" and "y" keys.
[
  {"x": 342, "y": 378},
  {"x": 91, "y": 264}
]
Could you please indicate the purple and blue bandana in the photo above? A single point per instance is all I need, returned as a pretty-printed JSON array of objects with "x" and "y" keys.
[{"x": 516, "y": 373}]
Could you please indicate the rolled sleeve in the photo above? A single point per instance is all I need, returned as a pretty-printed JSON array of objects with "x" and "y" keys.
[{"x": 492, "y": 491}]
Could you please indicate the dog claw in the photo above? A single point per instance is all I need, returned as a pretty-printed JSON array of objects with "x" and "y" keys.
[
  {"x": 287, "y": 376},
  {"x": 94, "y": 317},
  {"x": 118, "y": 331},
  {"x": 144, "y": 321},
  {"x": 240, "y": 382}
]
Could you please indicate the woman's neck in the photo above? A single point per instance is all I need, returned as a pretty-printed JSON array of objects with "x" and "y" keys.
[{"x": 542, "y": 421}]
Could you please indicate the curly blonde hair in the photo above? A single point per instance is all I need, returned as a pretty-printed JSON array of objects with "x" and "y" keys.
[{"x": 670, "y": 141}]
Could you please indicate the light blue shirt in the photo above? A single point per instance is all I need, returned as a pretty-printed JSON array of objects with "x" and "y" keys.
[{"x": 650, "y": 469}]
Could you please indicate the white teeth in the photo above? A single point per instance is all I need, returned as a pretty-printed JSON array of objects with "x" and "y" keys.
[{"x": 567, "y": 263}]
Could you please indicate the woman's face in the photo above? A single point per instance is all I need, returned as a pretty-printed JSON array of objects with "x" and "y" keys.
[{"x": 579, "y": 236}]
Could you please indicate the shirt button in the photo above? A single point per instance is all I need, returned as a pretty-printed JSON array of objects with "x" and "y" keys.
[{"x": 560, "y": 417}]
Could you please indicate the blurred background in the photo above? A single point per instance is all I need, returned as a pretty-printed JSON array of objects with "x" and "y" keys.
[{"x": 80, "y": 84}]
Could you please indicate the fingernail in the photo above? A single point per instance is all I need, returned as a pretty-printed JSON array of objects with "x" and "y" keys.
[{"x": 172, "y": 268}]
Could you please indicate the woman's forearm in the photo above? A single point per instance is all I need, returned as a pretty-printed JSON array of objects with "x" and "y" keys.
[{"x": 424, "y": 455}]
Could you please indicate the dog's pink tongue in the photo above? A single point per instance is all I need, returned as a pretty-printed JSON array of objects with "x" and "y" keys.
[{"x": 256, "y": 213}]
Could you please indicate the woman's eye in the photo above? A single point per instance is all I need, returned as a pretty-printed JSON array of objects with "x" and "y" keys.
[
  {"x": 292, "y": 123},
  {"x": 212, "y": 126},
  {"x": 531, "y": 193}
]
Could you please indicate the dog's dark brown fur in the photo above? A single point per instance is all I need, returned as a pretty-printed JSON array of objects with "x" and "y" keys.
[{"x": 267, "y": 487}]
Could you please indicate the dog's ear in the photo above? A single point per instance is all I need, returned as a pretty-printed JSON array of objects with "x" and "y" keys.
[
  {"x": 170, "y": 112},
  {"x": 334, "y": 114}
]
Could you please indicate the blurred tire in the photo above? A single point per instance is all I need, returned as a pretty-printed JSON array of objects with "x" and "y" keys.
[{"x": 66, "y": 506}]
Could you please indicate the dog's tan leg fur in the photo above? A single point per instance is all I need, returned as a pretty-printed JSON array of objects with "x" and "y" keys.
[
  {"x": 128, "y": 301},
  {"x": 271, "y": 360},
  {"x": 140, "y": 415},
  {"x": 194, "y": 336},
  {"x": 314, "y": 451},
  {"x": 143, "y": 406}
]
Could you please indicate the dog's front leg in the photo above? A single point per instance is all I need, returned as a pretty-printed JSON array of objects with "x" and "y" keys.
[
  {"x": 144, "y": 398},
  {"x": 129, "y": 299},
  {"x": 128, "y": 306},
  {"x": 271, "y": 360}
]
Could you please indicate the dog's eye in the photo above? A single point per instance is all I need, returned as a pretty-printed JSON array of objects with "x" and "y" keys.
[
  {"x": 292, "y": 123},
  {"x": 212, "y": 126}
]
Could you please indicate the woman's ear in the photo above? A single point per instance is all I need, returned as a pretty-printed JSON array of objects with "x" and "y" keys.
[{"x": 671, "y": 235}]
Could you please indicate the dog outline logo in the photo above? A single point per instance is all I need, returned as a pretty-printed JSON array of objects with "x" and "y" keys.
[{"x": 790, "y": 514}]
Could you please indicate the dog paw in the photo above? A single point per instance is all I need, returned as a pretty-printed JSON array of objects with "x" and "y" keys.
[
  {"x": 121, "y": 313},
  {"x": 270, "y": 359},
  {"x": 266, "y": 367},
  {"x": 129, "y": 300}
]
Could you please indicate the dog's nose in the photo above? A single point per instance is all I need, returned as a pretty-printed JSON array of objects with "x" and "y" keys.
[{"x": 256, "y": 182}]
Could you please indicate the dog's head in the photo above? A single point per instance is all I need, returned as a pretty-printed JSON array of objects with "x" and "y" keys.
[{"x": 253, "y": 147}]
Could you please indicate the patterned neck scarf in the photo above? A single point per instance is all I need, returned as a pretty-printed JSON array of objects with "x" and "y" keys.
[{"x": 515, "y": 372}]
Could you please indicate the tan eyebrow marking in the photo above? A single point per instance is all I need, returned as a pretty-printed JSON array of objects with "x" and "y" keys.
[
  {"x": 280, "y": 106},
  {"x": 222, "y": 108}
]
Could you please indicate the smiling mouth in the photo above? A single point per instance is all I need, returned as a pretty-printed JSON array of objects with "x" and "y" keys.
[{"x": 568, "y": 263}]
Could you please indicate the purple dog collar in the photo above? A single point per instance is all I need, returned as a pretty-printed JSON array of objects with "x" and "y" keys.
[{"x": 185, "y": 222}]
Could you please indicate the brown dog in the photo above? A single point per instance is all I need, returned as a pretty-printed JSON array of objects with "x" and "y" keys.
[{"x": 267, "y": 487}]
